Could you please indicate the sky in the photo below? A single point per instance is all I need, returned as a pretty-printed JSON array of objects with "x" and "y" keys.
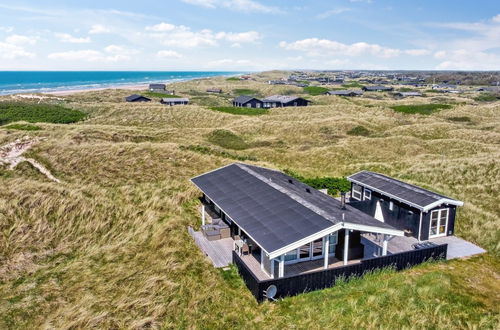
[{"x": 249, "y": 35}]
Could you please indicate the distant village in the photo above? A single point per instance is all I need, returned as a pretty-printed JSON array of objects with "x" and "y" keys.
[{"x": 346, "y": 84}]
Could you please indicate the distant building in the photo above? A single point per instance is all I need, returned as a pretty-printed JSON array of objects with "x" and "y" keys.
[
  {"x": 161, "y": 88},
  {"x": 278, "y": 101},
  {"x": 247, "y": 102},
  {"x": 137, "y": 98},
  {"x": 408, "y": 94},
  {"x": 350, "y": 93},
  {"x": 175, "y": 101},
  {"x": 214, "y": 90},
  {"x": 377, "y": 88}
]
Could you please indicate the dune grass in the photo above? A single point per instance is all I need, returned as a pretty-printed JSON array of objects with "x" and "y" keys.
[
  {"x": 159, "y": 95},
  {"x": 241, "y": 111},
  {"x": 245, "y": 91},
  {"x": 359, "y": 131},
  {"x": 108, "y": 248},
  {"x": 37, "y": 113},
  {"x": 23, "y": 127},
  {"x": 315, "y": 90},
  {"x": 422, "y": 109}
]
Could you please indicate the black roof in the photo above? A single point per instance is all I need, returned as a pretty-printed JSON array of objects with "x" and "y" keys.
[
  {"x": 378, "y": 88},
  {"x": 414, "y": 195},
  {"x": 273, "y": 211},
  {"x": 135, "y": 97},
  {"x": 245, "y": 98},
  {"x": 159, "y": 86}
]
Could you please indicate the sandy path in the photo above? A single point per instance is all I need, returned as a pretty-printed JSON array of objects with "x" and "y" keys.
[{"x": 11, "y": 155}]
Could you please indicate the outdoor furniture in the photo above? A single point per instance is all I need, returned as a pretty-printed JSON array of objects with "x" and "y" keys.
[
  {"x": 216, "y": 230},
  {"x": 212, "y": 235},
  {"x": 245, "y": 249}
]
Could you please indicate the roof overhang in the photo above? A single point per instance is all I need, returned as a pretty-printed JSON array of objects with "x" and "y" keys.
[{"x": 425, "y": 208}]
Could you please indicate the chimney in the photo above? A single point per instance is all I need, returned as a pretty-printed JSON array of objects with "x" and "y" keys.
[{"x": 342, "y": 200}]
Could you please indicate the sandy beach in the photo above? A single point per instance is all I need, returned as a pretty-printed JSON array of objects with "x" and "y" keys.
[{"x": 74, "y": 91}]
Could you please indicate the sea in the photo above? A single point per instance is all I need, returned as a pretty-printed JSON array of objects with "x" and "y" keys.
[{"x": 12, "y": 82}]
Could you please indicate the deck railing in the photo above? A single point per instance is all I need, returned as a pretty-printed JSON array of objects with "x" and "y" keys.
[{"x": 296, "y": 284}]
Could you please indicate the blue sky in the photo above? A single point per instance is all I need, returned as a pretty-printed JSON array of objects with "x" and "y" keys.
[{"x": 249, "y": 35}]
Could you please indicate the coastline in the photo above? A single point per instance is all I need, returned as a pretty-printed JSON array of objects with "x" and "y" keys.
[{"x": 75, "y": 91}]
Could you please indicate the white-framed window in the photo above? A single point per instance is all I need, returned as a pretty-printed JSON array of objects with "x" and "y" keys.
[
  {"x": 391, "y": 205},
  {"x": 367, "y": 194},
  {"x": 356, "y": 191},
  {"x": 249, "y": 105},
  {"x": 258, "y": 105},
  {"x": 333, "y": 239},
  {"x": 439, "y": 223}
]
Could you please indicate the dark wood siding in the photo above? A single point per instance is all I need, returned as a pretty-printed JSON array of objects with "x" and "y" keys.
[{"x": 253, "y": 104}]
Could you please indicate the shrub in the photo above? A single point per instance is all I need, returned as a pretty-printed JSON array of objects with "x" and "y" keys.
[
  {"x": 315, "y": 90},
  {"x": 423, "y": 109},
  {"x": 241, "y": 111},
  {"x": 36, "y": 113},
  {"x": 23, "y": 127},
  {"x": 233, "y": 79},
  {"x": 332, "y": 184},
  {"x": 463, "y": 119},
  {"x": 227, "y": 139},
  {"x": 359, "y": 131},
  {"x": 488, "y": 97}
]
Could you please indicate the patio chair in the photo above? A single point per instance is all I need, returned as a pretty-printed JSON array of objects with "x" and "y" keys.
[{"x": 245, "y": 249}]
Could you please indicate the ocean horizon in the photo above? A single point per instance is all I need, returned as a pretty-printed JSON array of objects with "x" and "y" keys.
[{"x": 13, "y": 82}]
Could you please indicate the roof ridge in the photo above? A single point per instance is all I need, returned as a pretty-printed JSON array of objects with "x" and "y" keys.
[{"x": 290, "y": 194}]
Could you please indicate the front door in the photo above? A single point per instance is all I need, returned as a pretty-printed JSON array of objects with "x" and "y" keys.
[{"x": 439, "y": 223}]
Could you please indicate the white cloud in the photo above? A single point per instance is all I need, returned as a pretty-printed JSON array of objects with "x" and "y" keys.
[
  {"x": 332, "y": 12},
  {"x": 325, "y": 47},
  {"x": 66, "y": 37},
  {"x": 168, "y": 54},
  {"x": 17, "y": 39},
  {"x": 236, "y": 5},
  {"x": 161, "y": 27},
  {"x": 7, "y": 29},
  {"x": 417, "y": 52},
  {"x": 496, "y": 19},
  {"x": 183, "y": 37},
  {"x": 88, "y": 55},
  {"x": 463, "y": 59},
  {"x": 10, "y": 51},
  {"x": 99, "y": 29}
]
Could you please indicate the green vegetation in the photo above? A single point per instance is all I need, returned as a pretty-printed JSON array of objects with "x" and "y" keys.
[
  {"x": 23, "y": 127},
  {"x": 359, "y": 131},
  {"x": 37, "y": 113},
  {"x": 219, "y": 153},
  {"x": 315, "y": 90},
  {"x": 432, "y": 91},
  {"x": 241, "y": 111},
  {"x": 352, "y": 84},
  {"x": 159, "y": 95},
  {"x": 333, "y": 185},
  {"x": 233, "y": 79},
  {"x": 405, "y": 89},
  {"x": 463, "y": 119},
  {"x": 245, "y": 91},
  {"x": 423, "y": 109},
  {"x": 487, "y": 97},
  {"x": 227, "y": 139}
]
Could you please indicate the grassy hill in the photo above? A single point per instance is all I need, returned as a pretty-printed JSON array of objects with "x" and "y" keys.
[{"x": 108, "y": 247}]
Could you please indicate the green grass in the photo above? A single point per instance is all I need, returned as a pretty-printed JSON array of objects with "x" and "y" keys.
[
  {"x": 359, "y": 131},
  {"x": 227, "y": 139},
  {"x": 353, "y": 84},
  {"x": 462, "y": 119},
  {"x": 487, "y": 97},
  {"x": 244, "y": 91},
  {"x": 233, "y": 79},
  {"x": 241, "y": 111},
  {"x": 160, "y": 95},
  {"x": 315, "y": 90},
  {"x": 332, "y": 184},
  {"x": 23, "y": 127},
  {"x": 432, "y": 91},
  {"x": 423, "y": 109},
  {"x": 37, "y": 113},
  {"x": 219, "y": 153}
]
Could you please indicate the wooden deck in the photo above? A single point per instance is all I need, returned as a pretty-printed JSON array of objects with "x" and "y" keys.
[{"x": 219, "y": 252}]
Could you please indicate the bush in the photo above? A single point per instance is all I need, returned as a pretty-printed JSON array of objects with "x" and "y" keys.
[
  {"x": 241, "y": 111},
  {"x": 332, "y": 184},
  {"x": 233, "y": 79},
  {"x": 227, "y": 139},
  {"x": 359, "y": 131},
  {"x": 23, "y": 127},
  {"x": 315, "y": 90},
  {"x": 463, "y": 119},
  {"x": 423, "y": 109},
  {"x": 488, "y": 97},
  {"x": 36, "y": 113}
]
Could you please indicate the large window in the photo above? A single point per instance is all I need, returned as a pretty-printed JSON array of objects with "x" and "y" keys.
[
  {"x": 368, "y": 194},
  {"x": 292, "y": 255},
  {"x": 439, "y": 223},
  {"x": 333, "y": 242},
  {"x": 356, "y": 191}
]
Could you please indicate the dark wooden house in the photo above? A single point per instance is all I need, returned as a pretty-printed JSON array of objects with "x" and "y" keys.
[
  {"x": 137, "y": 98},
  {"x": 175, "y": 101},
  {"x": 247, "y": 102},
  {"x": 377, "y": 88},
  {"x": 419, "y": 212},
  {"x": 157, "y": 88},
  {"x": 278, "y": 101},
  {"x": 350, "y": 93},
  {"x": 214, "y": 90}
]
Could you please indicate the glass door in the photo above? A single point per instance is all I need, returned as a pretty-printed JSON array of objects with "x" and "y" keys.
[
  {"x": 317, "y": 248},
  {"x": 305, "y": 251},
  {"x": 439, "y": 223}
]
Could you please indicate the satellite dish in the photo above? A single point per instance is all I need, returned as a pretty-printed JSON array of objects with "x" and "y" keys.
[{"x": 271, "y": 292}]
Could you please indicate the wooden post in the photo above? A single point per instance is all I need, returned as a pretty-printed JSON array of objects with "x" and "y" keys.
[
  {"x": 325, "y": 251},
  {"x": 384, "y": 246},
  {"x": 202, "y": 214},
  {"x": 346, "y": 245}
]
